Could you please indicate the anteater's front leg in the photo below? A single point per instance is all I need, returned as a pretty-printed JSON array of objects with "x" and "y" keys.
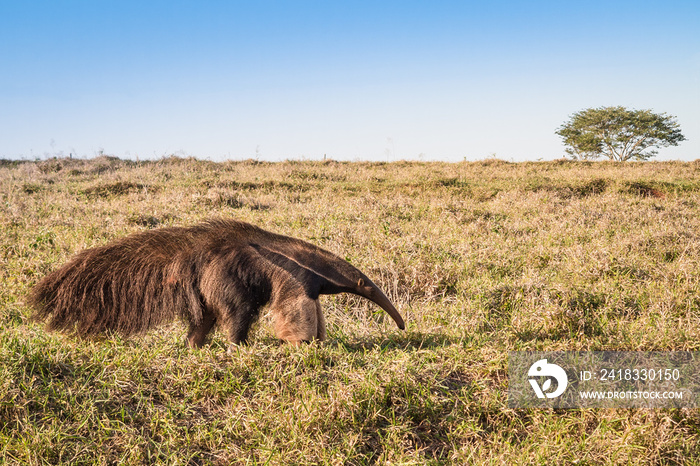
[{"x": 298, "y": 318}]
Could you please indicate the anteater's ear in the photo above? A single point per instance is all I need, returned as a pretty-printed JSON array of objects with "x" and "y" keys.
[{"x": 360, "y": 282}]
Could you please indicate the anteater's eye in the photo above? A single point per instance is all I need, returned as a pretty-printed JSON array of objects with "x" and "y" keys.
[{"x": 360, "y": 282}]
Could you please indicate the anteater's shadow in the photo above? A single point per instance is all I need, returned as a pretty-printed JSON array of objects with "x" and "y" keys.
[{"x": 393, "y": 341}]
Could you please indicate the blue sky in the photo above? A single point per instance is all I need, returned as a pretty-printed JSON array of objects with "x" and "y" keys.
[{"x": 353, "y": 80}]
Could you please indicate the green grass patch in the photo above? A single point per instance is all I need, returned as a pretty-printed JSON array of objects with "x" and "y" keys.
[{"x": 481, "y": 258}]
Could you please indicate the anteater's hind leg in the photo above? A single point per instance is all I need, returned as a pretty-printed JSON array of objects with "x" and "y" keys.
[
  {"x": 234, "y": 303},
  {"x": 198, "y": 332},
  {"x": 232, "y": 317},
  {"x": 235, "y": 318}
]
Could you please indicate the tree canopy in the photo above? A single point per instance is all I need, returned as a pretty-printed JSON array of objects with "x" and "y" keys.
[{"x": 618, "y": 133}]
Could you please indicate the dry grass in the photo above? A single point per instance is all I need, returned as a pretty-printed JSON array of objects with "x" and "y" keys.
[{"x": 482, "y": 258}]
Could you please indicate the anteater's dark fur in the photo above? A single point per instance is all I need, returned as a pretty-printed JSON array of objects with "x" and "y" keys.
[{"x": 220, "y": 272}]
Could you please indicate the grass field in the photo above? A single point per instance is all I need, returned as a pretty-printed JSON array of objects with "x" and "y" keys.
[{"x": 480, "y": 258}]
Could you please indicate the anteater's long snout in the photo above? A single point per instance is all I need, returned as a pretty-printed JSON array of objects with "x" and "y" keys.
[{"x": 376, "y": 295}]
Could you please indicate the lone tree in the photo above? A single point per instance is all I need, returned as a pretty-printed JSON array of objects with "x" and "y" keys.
[{"x": 618, "y": 133}]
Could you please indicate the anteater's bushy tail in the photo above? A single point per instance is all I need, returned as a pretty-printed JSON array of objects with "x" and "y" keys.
[{"x": 128, "y": 286}]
